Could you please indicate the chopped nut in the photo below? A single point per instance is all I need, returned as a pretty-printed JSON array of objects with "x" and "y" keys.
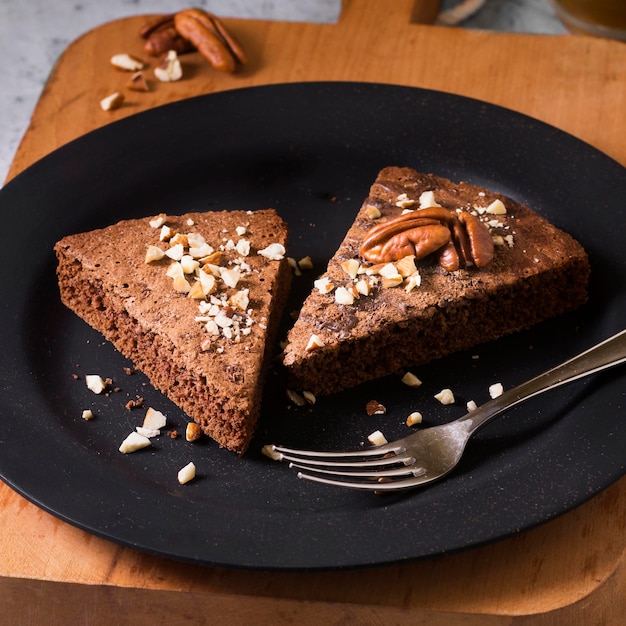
[
  {"x": 412, "y": 282},
  {"x": 411, "y": 380},
  {"x": 373, "y": 407},
  {"x": 323, "y": 285},
  {"x": 363, "y": 287},
  {"x": 187, "y": 473},
  {"x": 87, "y": 414},
  {"x": 351, "y": 267},
  {"x": 314, "y": 343},
  {"x": 403, "y": 201},
  {"x": 154, "y": 253},
  {"x": 230, "y": 277},
  {"x": 158, "y": 220},
  {"x": 176, "y": 252},
  {"x": 406, "y": 266},
  {"x": 391, "y": 281},
  {"x": 372, "y": 212},
  {"x": 154, "y": 420},
  {"x": 270, "y": 453},
  {"x": 112, "y": 102},
  {"x": 305, "y": 263},
  {"x": 170, "y": 69},
  {"x": 295, "y": 397},
  {"x": 138, "y": 82},
  {"x": 427, "y": 200},
  {"x": 294, "y": 265},
  {"x": 134, "y": 442},
  {"x": 471, "y": 406},
  {"x": 496, "y": 390},
  {"x": 95, "y": 383},
  {"x": 243, "y": 247},
  {"x": 193, "y": 432},
  {"x": 148, "y": 432},
  {"x": 414, "y": 418},
  {"x": 343, "y": 296},
  {"x": 309, "y": 397},
  {"x": 496, "y": 208},
  {"x": 445, "y": 396},
  {"x": 126, "y": 62},
  {"x": 377, "y": 438},
  {"x": 273, "y": 252}
]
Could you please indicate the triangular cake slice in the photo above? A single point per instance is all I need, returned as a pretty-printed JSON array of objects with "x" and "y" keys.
[
  {"x": 193, "y": 301},
  {"x": 429, "y": 267}
]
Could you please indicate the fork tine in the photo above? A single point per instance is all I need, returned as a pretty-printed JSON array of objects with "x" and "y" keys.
[
  {"x": 336, "y": 461},
  {"x": 374, "y": 475},
  {"x": 372, "y": 486},
  {"x": 376, "y": 451}
]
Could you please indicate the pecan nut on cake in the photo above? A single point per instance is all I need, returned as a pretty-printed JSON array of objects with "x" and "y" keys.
[
  {"x": 429, "y": 267},
  {"x": 193, "y": 300}
]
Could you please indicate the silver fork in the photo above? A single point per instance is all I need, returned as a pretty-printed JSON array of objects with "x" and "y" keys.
[{"x": 431, "y": 453}]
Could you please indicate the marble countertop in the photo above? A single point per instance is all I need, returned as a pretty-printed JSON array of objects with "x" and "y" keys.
[{"x": 33, "y": 34}]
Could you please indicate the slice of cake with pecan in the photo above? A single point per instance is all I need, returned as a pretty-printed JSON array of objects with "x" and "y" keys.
[
  {"x": 429, "y": 267},
  {"x": 193, "y": 300}
]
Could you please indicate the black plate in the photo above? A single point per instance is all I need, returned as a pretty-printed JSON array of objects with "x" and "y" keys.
[{"x": 311, "y": 151}]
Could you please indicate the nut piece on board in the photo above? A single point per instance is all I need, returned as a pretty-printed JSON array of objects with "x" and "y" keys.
[
  {"x": 112, "y": 102},
  {"x": 170, "y": 69}
]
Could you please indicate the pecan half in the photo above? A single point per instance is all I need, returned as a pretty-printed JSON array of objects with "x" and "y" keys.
[
  {"x": 161, "y": 36},
  {"x": 458, "y": 239},
  {"x": 211, "y": 39}
]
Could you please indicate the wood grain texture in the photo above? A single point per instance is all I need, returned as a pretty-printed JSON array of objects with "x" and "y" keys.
[{"x": 569, "y": 571}]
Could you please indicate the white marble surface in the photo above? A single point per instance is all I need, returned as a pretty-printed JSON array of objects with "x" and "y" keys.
[{"x": 34, "y": 33}]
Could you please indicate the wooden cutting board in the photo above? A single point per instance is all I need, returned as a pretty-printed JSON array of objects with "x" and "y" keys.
[{"x": 570, "y": 571}]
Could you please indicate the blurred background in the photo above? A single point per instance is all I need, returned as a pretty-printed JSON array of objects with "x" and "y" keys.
[{"x": 34, "y": 33}]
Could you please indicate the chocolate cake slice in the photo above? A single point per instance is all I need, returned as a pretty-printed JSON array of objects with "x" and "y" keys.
[
  {"x": 429, "y": 267},
  {"x": 193, "y": 300}
]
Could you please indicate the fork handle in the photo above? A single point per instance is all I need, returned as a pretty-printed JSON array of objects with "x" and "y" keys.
[{"x": 608, "y": 353}]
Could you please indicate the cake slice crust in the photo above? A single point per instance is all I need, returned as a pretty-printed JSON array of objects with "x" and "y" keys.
[
  {"x": 208, "y": 352},
  {"x": 363, "y": 322}
]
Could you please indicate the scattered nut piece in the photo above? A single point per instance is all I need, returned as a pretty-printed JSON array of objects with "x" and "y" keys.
[
  {"x": 305, "y": 263},
  {"x": 496, "y": 390},
  {"x": 377, "y": 438},
  {"x": 187, "y": 473},
  {"x": 445, "y": 396},
  {"x": 112, "y": 102},
  {"x": 87, "y": 414},
  {"x": 309, "y": 396},
  {"x": 126, "y": 62},
  {"x": 95, "y": 383},
  {"x": 193, "y": 432},
  {"x": 295, "y": 397},
  {"x": 414, "y": 418},
  {"x": 148, "y": 432},
  {"x": 471, "y": 406},
  {"x": 134, "y": 442},
  {"x": 170, "y": 69},
  {"x": 373, "y": 407},
  {"x": 154, "y": 419},
  {"x": 270, "y": 453},
  {"x": 138, "y": 82},
  {"x": 411, "y": 380}
]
